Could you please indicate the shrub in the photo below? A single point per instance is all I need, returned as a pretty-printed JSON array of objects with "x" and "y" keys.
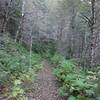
[
  {"x": 14, "y": 67},
  {"x": 57, "y": 59},
  {"x": 74, "y": 81}
]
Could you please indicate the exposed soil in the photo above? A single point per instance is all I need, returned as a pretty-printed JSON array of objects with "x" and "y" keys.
[{"x": 45, "y": 87}]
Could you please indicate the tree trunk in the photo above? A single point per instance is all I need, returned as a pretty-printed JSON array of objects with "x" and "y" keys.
[
  {"x": 93, "y": 35},
  {"x": 4, "y": 25}
]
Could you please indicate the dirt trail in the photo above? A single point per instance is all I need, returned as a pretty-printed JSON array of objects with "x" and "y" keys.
[{"x": 45, "y": 87}]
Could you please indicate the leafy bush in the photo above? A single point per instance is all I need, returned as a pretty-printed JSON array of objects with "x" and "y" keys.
[{"x": 74, "y": 81}]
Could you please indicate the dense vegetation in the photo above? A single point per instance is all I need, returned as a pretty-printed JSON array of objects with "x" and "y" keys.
[
  {"x": 15, "y": 68},
  {"x": 76, "y": 83}
]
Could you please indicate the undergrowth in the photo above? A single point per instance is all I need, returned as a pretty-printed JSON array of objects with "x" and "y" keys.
[
  {"x": 15, "y": 70},
  {"x": 44, "y": 47},
  {"x": 75, "y": 83}
]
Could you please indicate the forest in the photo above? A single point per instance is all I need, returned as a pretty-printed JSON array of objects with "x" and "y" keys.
[{"x": 49, "y": 49}]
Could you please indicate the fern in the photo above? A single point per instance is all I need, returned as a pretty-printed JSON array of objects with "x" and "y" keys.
[
  {"x": 14, "y": 66},
  {"x": 73, "y": 80}
]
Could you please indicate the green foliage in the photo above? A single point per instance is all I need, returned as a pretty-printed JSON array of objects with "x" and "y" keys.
[
  {"x": 71, "y": 98},
  {"x": 74, "y": 81},
  {"x": 81, "y": 97},
  {"x": 14, "y": 66},
  {"x": 17, "y": 90},
  {"x": 56, "y": 59},
  {"x": 44, "y": 47},
  {"x": 98, "y": 82}
]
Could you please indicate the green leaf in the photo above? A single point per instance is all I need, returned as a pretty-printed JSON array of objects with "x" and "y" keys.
[
  {"x": 72, "y": 98},
  {"x": 17, "y": 82},
  {"x": 14, "y": 94},
  {"x": 81, "y": 97}
]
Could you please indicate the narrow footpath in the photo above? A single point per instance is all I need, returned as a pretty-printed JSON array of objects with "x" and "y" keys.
[{"x": 45, "y": 87}]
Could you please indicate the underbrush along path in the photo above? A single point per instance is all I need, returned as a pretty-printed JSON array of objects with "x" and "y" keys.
[{"x": 45, "y": 87}]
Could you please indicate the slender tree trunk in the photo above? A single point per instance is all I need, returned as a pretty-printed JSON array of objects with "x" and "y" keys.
[
  {"x": 31, "y": 41},
  {"x": 19, "y": 28},
  {"x": 60, "y": 34},
  {"x": 4, "y": 26},
  {"x": 93, "y": 34},
  {"x": 72, "y": 28}
]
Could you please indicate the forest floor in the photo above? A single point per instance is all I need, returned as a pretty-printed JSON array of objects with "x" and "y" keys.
[{"x": 45, "y": 86}]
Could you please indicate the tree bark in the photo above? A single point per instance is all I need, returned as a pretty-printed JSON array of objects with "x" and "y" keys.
[{"x": 93, "y": 35}]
